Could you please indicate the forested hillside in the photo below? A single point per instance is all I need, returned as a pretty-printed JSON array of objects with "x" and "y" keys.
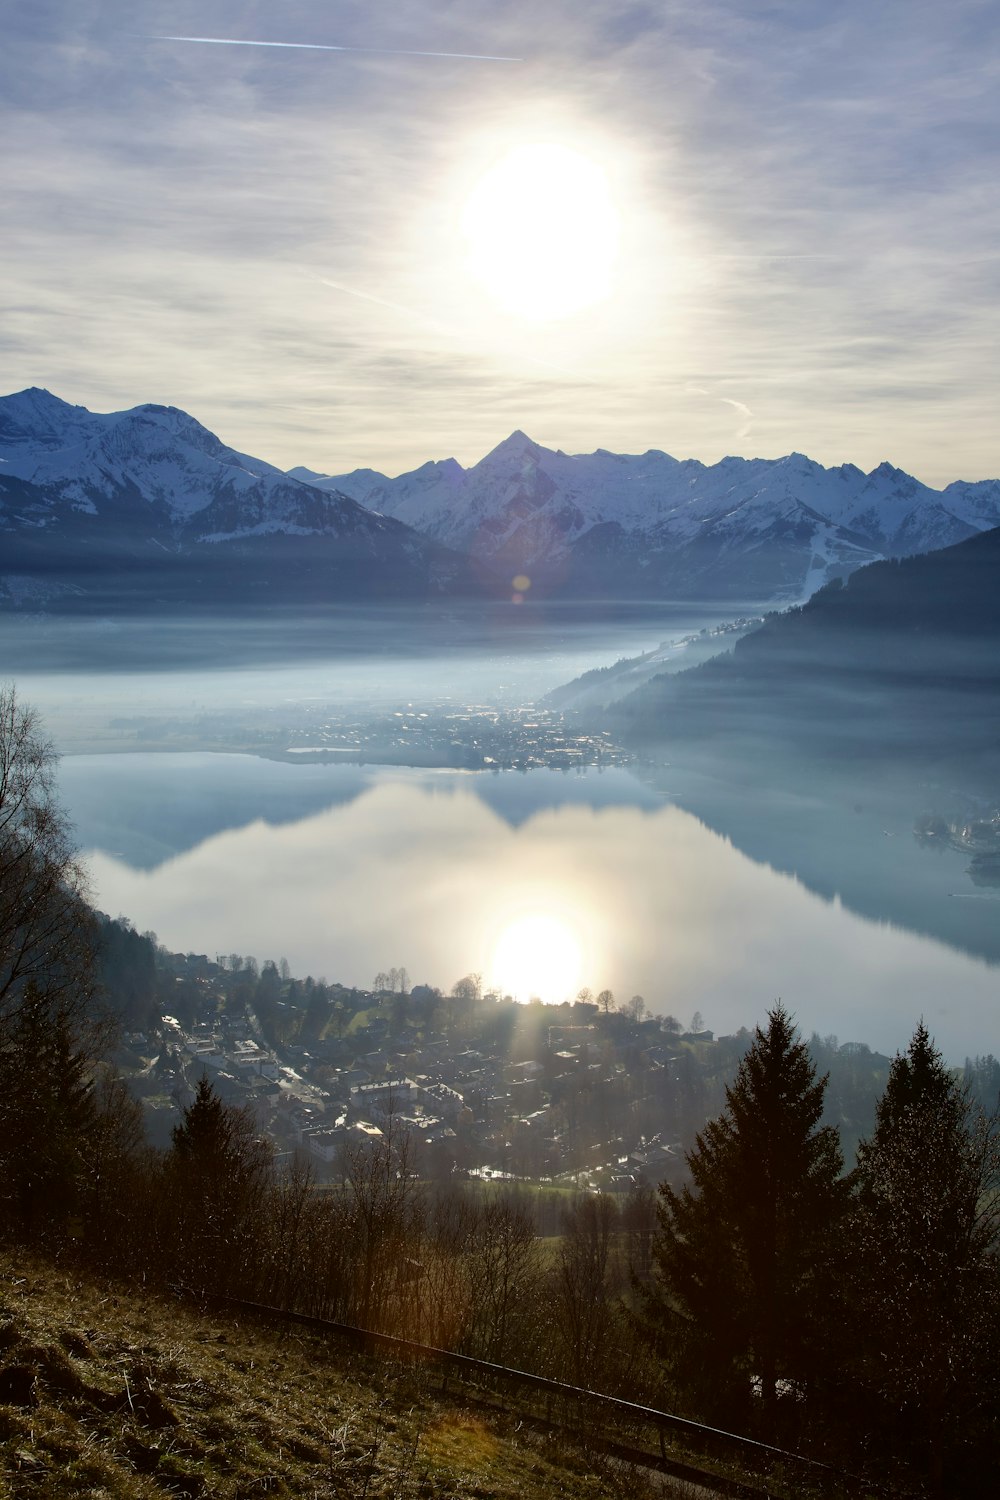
[{"x": 901, "y": 661}]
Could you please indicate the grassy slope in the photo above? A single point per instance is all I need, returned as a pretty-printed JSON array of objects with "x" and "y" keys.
[{"x": 108, "y": 1394}]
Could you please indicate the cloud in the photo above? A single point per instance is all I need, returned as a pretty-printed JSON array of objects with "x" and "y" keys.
[
  {"x": 794, "y": 181},
  {"x": 744, "y": 411}
]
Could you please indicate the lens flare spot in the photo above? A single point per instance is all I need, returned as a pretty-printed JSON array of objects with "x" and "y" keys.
[{"x": 462, "y": 1439}]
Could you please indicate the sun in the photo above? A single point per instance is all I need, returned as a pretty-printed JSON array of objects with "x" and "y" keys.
[
  {"x": 542, "y": 232},
  {"x": 537, "y": 954}
]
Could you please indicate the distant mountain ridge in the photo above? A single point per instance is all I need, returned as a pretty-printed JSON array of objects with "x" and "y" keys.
[
  {"x": 147, "y": 507},
  {"x": 96, "y": 504},
  {"x": 651, "y": 524}
]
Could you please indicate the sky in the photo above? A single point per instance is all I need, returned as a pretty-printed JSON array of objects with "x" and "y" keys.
[{"x": 776, "y": 224}]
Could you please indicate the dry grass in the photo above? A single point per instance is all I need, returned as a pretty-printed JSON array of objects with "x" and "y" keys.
[{"x": 109, "y": 1394}]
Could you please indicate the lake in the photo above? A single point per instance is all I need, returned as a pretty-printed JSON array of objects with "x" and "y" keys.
[
  {"x": 347, "y": 871},
  {"x": 683, "y": 884}
]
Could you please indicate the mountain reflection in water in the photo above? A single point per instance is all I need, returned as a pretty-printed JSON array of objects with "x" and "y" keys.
[{"x": 422, "y": 870}]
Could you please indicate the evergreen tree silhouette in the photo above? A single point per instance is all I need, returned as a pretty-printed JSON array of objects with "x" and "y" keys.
[{"x": 744, "y": 1253}]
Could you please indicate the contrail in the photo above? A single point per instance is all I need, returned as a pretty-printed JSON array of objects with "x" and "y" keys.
[
  {"x": 409, "y": 312},
  {"x": 228, "y": 41}
]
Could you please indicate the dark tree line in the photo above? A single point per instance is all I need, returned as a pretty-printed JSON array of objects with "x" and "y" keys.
[
  {"x": 854, "y": 1316},
  {"x": 48, "y": 1030},
  {"x": 45, "y": 925},
  {"x": 857, "y": 1314}
]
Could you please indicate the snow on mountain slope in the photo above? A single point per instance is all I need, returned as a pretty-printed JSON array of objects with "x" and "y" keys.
[
  {"x": 91, "y": 492},
  {"x": 534, "y": 509},
  {"x": 158, "y": 452},
  {"x": 157, "y": 466}
]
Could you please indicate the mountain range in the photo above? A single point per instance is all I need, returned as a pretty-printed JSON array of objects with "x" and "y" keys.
[
  {"x": 651, "y": 526},
  {"x": 146, "y": 507}
]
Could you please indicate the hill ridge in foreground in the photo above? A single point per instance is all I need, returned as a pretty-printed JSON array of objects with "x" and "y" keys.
[{"x": 108, "y": 1393}]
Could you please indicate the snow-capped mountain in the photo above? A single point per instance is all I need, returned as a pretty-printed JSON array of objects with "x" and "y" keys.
[
  {"x": 149, "y": 505},
  {"x": 82, "y": 493},
  {"x": 651, "y": 523}
]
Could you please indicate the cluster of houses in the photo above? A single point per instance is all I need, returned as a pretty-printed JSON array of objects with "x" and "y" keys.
[
  {"x": 584, "y": 1108},
  {"x": 475, "y": 737},
  {"x": 300, "y": 1103}
]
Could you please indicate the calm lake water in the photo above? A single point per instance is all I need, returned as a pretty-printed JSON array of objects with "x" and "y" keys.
[
  {"x": 698, "y": 891},
  {"x": 347, "y": 871}
]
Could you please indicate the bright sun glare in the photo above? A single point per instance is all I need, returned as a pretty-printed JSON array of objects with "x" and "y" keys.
[
  {"x": 537, "y": 954},
  {"x": 542, "y": 232}
]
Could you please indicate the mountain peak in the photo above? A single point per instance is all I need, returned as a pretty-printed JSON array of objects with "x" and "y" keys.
[
  {"x": 36, "y": 412},
  {"x": 36, "y": 401},
  {"x": 313, "y": 476},
  {"x": 37, "y": 396},
  {"x": 518, "y": 445},
  {"x": 438, "y": 468},
  {"x": 172, "y": 419}
]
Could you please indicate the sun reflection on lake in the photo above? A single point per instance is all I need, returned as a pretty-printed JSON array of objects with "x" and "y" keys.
[
  {"x": 638, "y": 901},
  {"x": 538, "y": 953}
]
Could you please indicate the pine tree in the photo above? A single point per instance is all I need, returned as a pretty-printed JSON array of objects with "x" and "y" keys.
[
  {"x": 743, "y": 1254},
  {"x": 47, "y": 984},
  {"x": 927, "y": 1236},
  {"x": 46, "y": 1115},
  {"x": 203, "y": 1140},
  {"x": 218, "y": 1175},
  {"x": 114, "y": 1179}
]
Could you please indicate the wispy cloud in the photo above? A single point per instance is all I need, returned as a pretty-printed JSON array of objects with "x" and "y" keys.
[{"x": 744, "y": 411}]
